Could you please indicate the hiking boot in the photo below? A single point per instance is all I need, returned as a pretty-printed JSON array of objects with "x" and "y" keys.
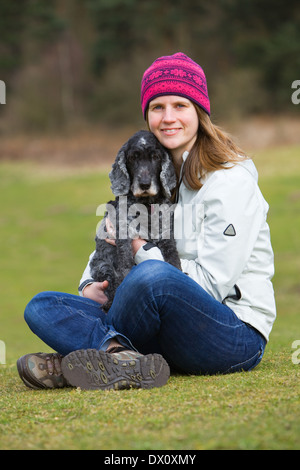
[
  {"x": 41, "y": 370},
  {"x": 117, "y": 369}
]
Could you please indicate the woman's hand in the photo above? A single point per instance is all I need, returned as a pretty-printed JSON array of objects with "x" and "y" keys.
[
  {"x": 111, "y": 239},
  {"x": 95, "y": 291},
  {"x": 136, "y": 244},
  {"x": 111, "y": 233}
]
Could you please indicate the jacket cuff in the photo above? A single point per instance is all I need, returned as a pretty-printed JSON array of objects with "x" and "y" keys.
[
  {"x": 84, "y": 284},
  {"x": 144, "y": 254}
]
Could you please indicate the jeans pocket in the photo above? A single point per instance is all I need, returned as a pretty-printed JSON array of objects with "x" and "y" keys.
[{"x": 247, "y": 365}]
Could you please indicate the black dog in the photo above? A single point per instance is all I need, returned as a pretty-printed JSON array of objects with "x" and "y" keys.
[{"x": 142, "y": 178}]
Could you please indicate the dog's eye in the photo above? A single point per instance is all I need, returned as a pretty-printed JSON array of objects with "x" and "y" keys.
[
  {"x": 154, "y": 156},
  {"x": 134, "y": 156}
]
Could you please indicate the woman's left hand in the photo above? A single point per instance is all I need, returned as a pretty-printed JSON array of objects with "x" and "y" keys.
[{"x": 136, "y": 244}]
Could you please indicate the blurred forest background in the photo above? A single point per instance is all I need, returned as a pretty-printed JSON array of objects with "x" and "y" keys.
[{"x": 75, "y": 65}]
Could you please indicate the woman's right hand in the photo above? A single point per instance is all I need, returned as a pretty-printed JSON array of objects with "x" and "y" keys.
[
  {"x": 96, "y": 291},
  {"x": 111, "y": 233}
]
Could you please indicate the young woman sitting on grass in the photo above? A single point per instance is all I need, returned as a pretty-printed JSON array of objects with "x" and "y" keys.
[{"x": 213, "y": 317}]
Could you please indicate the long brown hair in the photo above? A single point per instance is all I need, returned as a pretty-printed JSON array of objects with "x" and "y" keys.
[{"x": 212, "y": 150}]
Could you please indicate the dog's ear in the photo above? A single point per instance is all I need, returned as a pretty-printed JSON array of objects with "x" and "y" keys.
[
  {"x": 167, "y": 175},
  {"x": 119, "y": 177}
]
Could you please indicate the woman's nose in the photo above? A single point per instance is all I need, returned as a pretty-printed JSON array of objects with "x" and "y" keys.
[{"x": 169, "y": 115}]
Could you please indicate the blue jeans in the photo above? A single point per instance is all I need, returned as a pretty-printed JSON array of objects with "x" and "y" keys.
[{"x": 157, "y": 308}]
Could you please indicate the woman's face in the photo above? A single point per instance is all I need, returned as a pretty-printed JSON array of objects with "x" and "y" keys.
[{"x": 174, "y": 121}]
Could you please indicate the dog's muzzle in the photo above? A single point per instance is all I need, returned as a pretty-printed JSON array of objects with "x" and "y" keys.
[{"x": 144, "y": 186}]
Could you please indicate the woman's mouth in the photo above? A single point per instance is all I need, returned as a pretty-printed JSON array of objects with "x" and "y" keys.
[{"x": 170, "y": 131}]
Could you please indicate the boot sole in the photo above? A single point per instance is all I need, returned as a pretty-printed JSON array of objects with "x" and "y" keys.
[{"x": 91, "y": 369}]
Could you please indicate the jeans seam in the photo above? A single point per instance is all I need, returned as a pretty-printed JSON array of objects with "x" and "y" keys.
[
  {"x": 241, "y": 324},
  {"x": 79, "y": 299},
  {"x": 256, "y": 356}
]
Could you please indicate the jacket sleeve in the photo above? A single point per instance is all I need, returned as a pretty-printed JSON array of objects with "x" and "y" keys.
[
  {"x": 86, "y": 277},
  {"x": 231, "y": 219}
]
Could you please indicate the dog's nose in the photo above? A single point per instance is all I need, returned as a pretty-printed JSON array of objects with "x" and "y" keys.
[
  {"x": 145, "y": 182},
  {"x": 145, "y": 185}
]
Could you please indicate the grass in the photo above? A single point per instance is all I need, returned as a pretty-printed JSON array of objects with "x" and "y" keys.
[{"x": 255, "y": 410}]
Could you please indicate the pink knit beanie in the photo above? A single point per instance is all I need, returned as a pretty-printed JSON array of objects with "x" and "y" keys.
[{"x": 175, "y": 75}]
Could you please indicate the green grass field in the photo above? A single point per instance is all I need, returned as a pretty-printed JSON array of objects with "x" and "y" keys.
[{"x": 48, "y": 222}]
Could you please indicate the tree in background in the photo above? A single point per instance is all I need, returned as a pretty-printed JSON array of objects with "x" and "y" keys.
[
  {"x": 265, "y": 35},
  {"x": 70, "y": 62}
]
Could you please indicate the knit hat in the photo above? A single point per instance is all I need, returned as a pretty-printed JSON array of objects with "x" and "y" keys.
[{"x": 175, "y": 75}]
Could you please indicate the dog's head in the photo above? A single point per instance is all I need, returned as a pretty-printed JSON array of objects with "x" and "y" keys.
[{"x": 144, "y": 167}]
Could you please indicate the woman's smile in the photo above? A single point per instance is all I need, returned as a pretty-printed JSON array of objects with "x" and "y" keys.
[{"x": 170, "y": 131}]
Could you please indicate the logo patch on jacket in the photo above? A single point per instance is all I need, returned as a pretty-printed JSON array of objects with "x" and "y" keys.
[{"x": 229, "y": 231}]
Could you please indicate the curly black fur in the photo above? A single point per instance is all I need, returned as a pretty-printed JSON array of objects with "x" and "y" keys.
[{"x": 143, "y": 173}]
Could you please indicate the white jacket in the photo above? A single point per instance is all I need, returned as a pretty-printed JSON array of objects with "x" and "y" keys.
[{"x": 223, "y": 241}]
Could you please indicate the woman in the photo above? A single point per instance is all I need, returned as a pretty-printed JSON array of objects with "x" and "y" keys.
[{"x": 216, "y": 315}]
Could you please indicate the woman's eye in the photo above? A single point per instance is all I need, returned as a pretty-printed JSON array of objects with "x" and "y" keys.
[{"x": 156, "y": 107}]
